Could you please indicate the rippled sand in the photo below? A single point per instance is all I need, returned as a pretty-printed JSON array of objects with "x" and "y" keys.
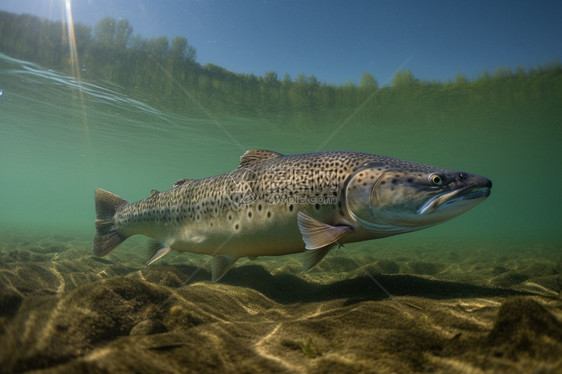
[{"x": 471, "y": 310}]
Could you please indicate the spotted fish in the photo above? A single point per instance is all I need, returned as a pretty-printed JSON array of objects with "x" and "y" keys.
[{"x": 275, "y": 204}]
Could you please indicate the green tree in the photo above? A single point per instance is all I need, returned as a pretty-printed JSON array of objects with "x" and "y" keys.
[
  {"x": 137, "y": 43},
  {"x": 123, "y": 31},
  {"x": 178, "y": 48},
  {"x": 297, "y": 92},
  {"x": 270, "y": 78},
  {"x": 460, "y": 79},
  {"x": 484, "y": 76},
  {"x": 347, "y": 95},
  {"x": 104, "y": 31},
  {"x": 520, "y": 71},
  {"x": 191, "y": 53},
  {"x": 368, "y": 81},
  {"x": 404, "y": 79},
  {"x": 503, "y": 73},
  {"x": 157, "y": 46},
  {"x": 181, "y": 50},
  {"x": 83, "y": 37},
  {"x": 287, "y": 80}
]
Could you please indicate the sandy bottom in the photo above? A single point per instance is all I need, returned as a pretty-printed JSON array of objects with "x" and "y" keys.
[{"x": 455, "y": 310}]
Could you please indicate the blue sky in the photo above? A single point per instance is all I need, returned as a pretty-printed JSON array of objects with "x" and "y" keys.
[{"x": 337, "y": 41}]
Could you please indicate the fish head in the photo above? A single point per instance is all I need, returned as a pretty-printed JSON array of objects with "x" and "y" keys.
[{"x": 391, "y": 200}]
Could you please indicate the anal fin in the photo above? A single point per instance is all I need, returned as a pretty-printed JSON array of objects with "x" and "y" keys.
[
  {"x": 316, "y": 234},
  {"x": 220, "y": 265},
  {"x": 157, "y": 251}
]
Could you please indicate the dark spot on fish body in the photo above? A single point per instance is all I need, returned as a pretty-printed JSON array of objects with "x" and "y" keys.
[
  {"x": 236, "y": 227},
  {"x": 291, "y": 207},
  {"x": 268, "y": 214}
]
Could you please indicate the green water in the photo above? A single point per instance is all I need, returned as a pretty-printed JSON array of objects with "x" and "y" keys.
[{"x": 59, "y": 140}]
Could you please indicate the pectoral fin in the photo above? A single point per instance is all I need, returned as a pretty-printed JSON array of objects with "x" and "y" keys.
[
  {"x": 316, "y": 234},
  {"x": 157, "y": 250},
  {"x": 220, "y": 265}
]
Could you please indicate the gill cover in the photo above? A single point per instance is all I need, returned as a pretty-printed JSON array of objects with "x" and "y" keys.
[
  {"x": 385, "y": 201},
  {"x": 358, "y": 193}
]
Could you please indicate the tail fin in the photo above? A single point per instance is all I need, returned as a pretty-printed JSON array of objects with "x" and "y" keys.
[{"x": 107, "y": 238}]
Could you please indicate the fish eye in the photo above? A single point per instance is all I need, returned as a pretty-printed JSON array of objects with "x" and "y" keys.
[{"x": 435, "y": 179}]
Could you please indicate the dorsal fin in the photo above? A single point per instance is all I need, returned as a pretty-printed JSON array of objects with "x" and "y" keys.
[
  {"x": 256, "y": 155},
  {"x": 179, "y": 182},
  {"x": 154, "y": 192}
]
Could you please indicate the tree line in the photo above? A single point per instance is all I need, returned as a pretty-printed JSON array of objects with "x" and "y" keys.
[{"x": 167, "y": 70}]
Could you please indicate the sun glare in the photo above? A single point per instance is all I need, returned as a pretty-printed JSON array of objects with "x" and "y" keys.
[
  {"x": 72, "y": 41},
  {"x": 75, "y": 66}
]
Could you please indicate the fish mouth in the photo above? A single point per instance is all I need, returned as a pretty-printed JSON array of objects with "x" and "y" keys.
[
  {"x": 470, "y": 193},
  {"x": 453, "y": 197}
]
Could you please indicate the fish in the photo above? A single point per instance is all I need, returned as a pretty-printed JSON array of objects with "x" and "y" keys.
[{"x": 275, "y": 204}]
